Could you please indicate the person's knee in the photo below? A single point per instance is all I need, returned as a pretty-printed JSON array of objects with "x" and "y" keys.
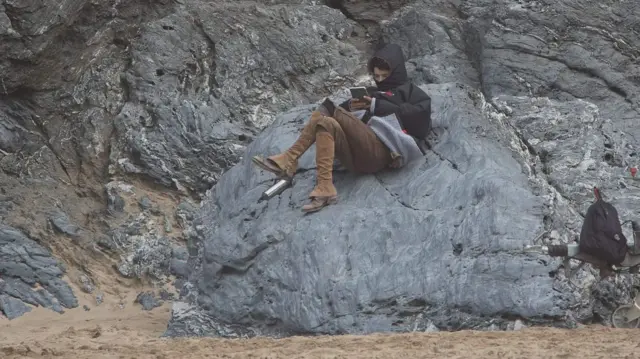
[{"x": 316, "y": 117}]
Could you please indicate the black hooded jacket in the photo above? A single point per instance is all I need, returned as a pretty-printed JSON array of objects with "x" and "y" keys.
[{"x": 397, "y": 95}]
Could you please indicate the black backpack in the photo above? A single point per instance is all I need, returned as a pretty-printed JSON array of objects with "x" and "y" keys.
[{"x": 601, "y": 235}]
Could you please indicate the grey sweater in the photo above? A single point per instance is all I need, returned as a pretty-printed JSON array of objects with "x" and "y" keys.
[{"x": 390, "y": 132}]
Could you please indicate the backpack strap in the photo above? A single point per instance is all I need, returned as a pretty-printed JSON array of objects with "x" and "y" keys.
[
  {"x": 600, "y": 201},
  {"x": 596, "y": 193}
]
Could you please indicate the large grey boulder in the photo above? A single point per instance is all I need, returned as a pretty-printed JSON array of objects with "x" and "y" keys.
[{"x": 438, "y": 242}]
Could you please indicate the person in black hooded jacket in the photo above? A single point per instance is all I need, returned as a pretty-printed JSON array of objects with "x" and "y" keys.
[
  {"x": 395, "y": 114},
  {"x": 395, "y": 94}
]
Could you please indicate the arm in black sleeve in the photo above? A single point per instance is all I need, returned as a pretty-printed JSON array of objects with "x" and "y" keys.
[
  {"x": 381, "y": 107},
  {"x": 418, "y": 103},
  {"x": 416, "y": 113}
]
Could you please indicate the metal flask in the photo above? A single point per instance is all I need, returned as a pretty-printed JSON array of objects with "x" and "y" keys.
[{"x": 276, "y": 189}]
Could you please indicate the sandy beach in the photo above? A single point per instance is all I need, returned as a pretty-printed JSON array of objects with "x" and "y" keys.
[{"x": 110, "y": 331}]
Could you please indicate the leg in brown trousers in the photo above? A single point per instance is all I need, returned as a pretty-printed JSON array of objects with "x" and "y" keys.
[{"x": 343, "y": 136}]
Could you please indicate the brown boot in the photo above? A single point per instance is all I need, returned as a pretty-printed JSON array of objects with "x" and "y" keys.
[
  {"x": 285, "y": 164},
  {"x": 325, "y": 192},
  {"x": 318, "y": 203}
]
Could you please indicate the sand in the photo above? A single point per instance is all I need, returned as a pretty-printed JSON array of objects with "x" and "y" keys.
[{"x": 110, "y": 331}]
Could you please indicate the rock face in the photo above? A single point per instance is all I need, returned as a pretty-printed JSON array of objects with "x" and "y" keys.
[
  {"x": 182, "y": 82},
  {"x": 25, "y": 264},
  {"x": 195, "y": 85},
  {"x": 533, "y": 103},
  {"x": 117, "y": 116}
]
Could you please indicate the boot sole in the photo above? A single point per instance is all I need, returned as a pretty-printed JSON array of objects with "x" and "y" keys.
[{"x": 329, "y": 202}]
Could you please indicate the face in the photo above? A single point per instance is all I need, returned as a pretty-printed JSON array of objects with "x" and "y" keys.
[{"x": 380, "y": 75}]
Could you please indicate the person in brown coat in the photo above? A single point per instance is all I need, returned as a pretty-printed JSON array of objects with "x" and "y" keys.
[{"x": 362, "y": 145}]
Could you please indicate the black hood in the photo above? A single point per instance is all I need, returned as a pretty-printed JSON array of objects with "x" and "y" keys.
[{"x": 392, "y": 55}]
